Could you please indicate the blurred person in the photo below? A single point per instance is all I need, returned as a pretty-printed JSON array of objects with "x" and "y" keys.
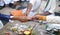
[{"x": 41, "y": 6}]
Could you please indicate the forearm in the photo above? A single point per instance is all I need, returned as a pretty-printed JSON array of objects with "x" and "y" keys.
[
  {"x": 21, "y": 18},
  {"x": 15, "y": 18},
  {"x": 51, "y": 19},
  {"x": 28, "y": 8}
]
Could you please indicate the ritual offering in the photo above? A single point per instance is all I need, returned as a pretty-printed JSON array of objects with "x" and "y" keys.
[
  {"x": 22, "y": 29},
  {"x": 14, "y": 29},
  {"x": 27, "y": 33}
]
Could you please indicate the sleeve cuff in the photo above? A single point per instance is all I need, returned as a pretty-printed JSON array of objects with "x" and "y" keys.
[{"x": 11, "y": 16}]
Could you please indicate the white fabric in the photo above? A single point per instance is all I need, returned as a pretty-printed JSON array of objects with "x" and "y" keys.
[
  {"x": 35, "y": 4},
  {"x": 1, "y": 3},
  {"x": 32, "y": 2},
  {"x": 24, "y": 10},
  {"x": 48, "y": 18},
  {"x": 1, "y": 24},
  {"x": 42, "y": 6},
  {"x": 38, "y": 5},
  {"x": 48, "y": 6},
  {"x": 31, "y": 14},
  {"x": 51, "y": 6},
  {"x": 11, "y": 16},
  {"x": 53, "y": 19},
  {"x": 10, "y": 1}
]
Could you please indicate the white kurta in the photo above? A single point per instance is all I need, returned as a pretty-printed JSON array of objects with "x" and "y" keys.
[
  {"x": 39, "y": 5},
  {"x": 53, "y": 19},
  {"x": 51, "y": 6}
]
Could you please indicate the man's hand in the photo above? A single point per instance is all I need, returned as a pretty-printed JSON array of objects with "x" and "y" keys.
[
  {"x": 23, "y": 18},
  {"x": 40, "y": 17}
]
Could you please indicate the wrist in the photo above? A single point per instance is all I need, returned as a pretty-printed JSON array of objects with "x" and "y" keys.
[{"x": 43, "y": 18}]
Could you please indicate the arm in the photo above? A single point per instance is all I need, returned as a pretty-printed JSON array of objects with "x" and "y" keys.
[
  {"x": 49, "y": 19},
  {"x": 28, "y": 8},
  {"x": 21, "y": 18}
]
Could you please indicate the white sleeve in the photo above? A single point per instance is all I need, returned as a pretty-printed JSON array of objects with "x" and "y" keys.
[
  {"x": 32, "y": 2},
  {"x": 53, "y": 6},
  {"x": 53, "y": 19},
  {"x": 31, "y": 14},
  {"x": 37, "y": 5}
]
